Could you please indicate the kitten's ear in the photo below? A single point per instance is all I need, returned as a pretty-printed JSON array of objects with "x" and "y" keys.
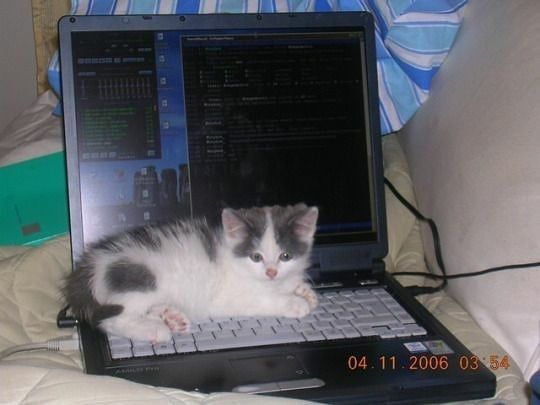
[
  {"x": 233, "y": 225},
  {"x": 305, "y": 223}
]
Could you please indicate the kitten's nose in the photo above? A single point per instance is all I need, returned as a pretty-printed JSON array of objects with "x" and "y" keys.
[{"x": 271, "y": 273}]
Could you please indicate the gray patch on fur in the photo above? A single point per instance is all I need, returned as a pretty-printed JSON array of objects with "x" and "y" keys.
[
  {"x": 255, "y": 221},
  {"x": 77, "y": 291},
  {"x": 284, "y": 220},
  {"x": 144, "y": 237},
  {"x": 140, "y": 237},
  {"x": 204, "y": 232},
  {"x": 126, "y": 276},
  {"x": 208, "y": 239},
  {"x": 172, "y": 230},
  {"x": 103, "y": 312}
]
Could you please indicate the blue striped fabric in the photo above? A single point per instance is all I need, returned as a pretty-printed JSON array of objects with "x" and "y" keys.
[{"x": 413, "y": 38}]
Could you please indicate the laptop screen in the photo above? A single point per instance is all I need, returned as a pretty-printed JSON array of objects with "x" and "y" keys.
[{"x": 184, "y": 123}]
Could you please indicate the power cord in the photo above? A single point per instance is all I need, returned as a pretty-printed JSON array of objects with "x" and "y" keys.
[
  {"x": 416, "y": 289},
  {"x": 63, "y": 320},
  {"x": 64, "y": 343}
]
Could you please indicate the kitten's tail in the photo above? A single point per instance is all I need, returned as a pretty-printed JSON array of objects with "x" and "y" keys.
[{"x": 77, "y": 292}]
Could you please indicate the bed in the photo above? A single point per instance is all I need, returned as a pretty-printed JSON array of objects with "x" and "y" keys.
[{"x": 30, "y": 278}]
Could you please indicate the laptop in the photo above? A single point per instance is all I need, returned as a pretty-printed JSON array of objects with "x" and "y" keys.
[{"x": 174, "y": 116}]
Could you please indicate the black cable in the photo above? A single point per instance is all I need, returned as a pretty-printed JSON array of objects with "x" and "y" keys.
[
  {"x": 415, "y": 290},
  {"x": 472, "y": 274}
]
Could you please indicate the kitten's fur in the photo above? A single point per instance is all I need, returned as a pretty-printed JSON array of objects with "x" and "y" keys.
[{"x": 148, "y": 283}]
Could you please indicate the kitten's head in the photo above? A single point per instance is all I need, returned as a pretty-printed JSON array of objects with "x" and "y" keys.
[{"x": 271, "y": 242}]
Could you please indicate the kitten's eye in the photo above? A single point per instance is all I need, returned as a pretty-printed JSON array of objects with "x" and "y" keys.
[
  {"x": 285, "y": 257},
  {"x": 256, "y": 257}
]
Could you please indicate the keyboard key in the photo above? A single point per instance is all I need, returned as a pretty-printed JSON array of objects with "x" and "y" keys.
[
  {"x": 374, "y": 321},
  {"x": 318, "y": 310},
  {"x": 418, "y": 331},
  {"x": 185, "y": 347},
  {"x": 283, "y": 329},
  {"x": 362, "y": 293},
  {"x": 141, "y": 349},
  {"x": 322, "y": 325},
  {"x": 268, "y": 321},
  {"x": 364, "y": 300},
  {"x": 203, "y": 336},
  {"x": 118, "y": 341},
  {"x": 164, "y": 348},
  {"x": 380, "y": 292},
  {"x": 229, "y": 325},
  {"x": 324, "y": 301},
  {"x": 340, "y": 300},
  {"x": 404, "y": 317},
  {"x": 383, "y": 332},
  {"x": 367, "y": 331},
  {"x": 302, "y": 327},
  {"x": 340, "y": 323},
  {"x": 122, "y": 352},
  {"x": 324, "y": 316},
  {"x": 377, "y": 308},
  {"x": 244, "y": 332},
  {"x": 389, "y": 301},
  {"x": 344, "y": 315},
  {"x": 308, "y": 318},
  {"x": 333, "y": 333},
  {"x": 264, "y": 331},
  {"x": 350, "y": 332},
  {"x": 362, "y": 313},
  {"x": 313, "y": 335},
  {"x": 181, "y": 338},
  {"x": 250, "y": 323},
  {"x": 333, "y": 308},
  {"x": 223, "y": 334},
  {"x": 288, "y": 321},
  {"x": 352, "y": 306},
  {"x": 209, "y": 326}
]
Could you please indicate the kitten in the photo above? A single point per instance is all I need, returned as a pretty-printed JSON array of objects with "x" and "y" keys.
[{"x": 148, "y": 283}]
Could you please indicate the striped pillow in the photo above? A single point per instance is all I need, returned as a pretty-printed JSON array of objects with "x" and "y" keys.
[{"x": 413, "y": 38}]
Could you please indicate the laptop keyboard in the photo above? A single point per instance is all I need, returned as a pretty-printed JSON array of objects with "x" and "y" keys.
[{"x": 340, "y": 315}]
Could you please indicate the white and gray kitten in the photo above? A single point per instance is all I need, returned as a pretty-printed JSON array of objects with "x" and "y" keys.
[{"x": 148, "y": 283}]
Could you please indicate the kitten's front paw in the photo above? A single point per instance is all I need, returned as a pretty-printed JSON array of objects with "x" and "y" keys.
[
  {"x": 305, "y": 291},
  {"x": 175, "y": 320},
  {"x": 150, "y": 330},
  {"x": 161, "y": 335},
  {"x": 297, "y": 308}
]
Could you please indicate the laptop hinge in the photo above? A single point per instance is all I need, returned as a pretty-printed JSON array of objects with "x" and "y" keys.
[
  {"x": 373, "y": 276},
  {"x": 349, "y": 278},
  {"x": 378, "y": 267}
]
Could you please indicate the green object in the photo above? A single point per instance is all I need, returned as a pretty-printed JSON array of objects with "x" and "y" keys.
[{"x": 33, "y": 200}]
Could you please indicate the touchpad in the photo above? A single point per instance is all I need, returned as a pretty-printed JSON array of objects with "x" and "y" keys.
[{"x": 268, "y": 368}]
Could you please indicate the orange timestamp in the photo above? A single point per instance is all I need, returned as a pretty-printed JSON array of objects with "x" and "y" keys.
[{"x": 425, "y": 362}]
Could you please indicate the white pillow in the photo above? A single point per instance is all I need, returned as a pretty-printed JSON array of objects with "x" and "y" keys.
[{"x": 474, "y": 155}]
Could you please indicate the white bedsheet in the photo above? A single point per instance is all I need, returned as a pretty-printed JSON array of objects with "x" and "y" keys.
[{"x": 29, "y": 298}]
